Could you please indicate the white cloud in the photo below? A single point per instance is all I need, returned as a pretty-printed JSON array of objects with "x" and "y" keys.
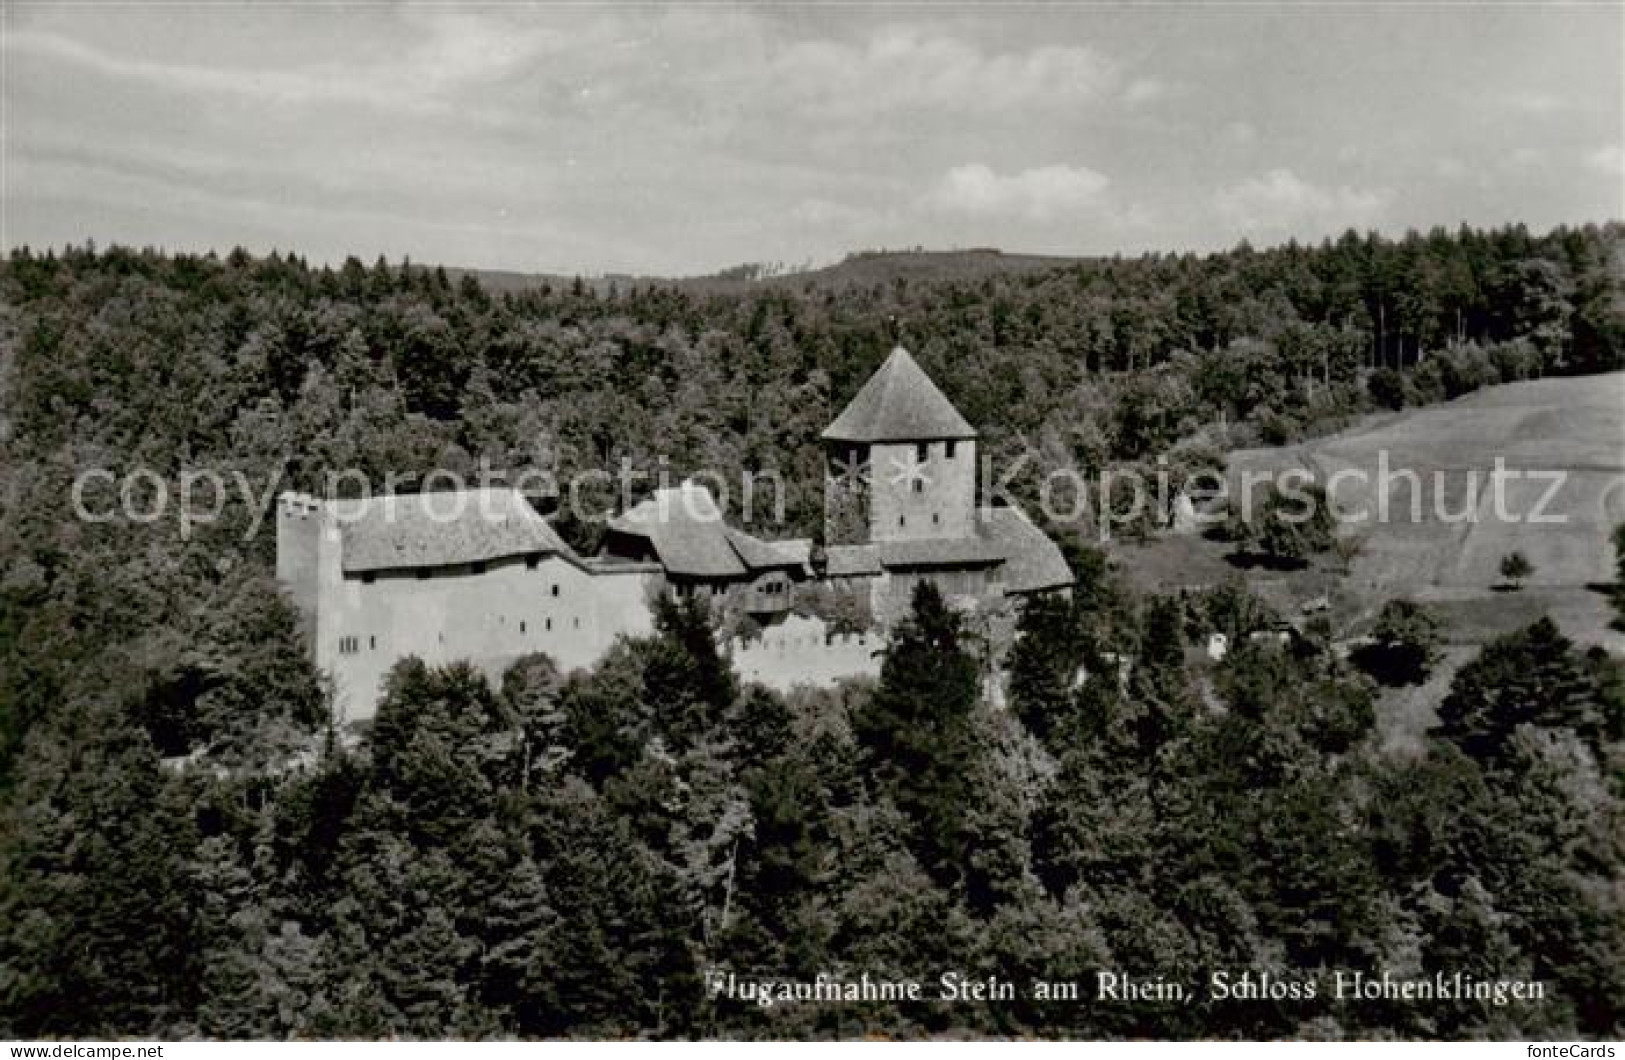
[
  {"x": 1145, "y": 90},
  {"x": 450, "y": 51},
  {"x": 1037, "y": 194},
  {"x": 901, "y": 68},
  {"x": 1533, "y": 103},
  {"x": 1608, "y": 160},
  {"x": 1280, "y": 202},
  {"x": 683, "y": 138}
]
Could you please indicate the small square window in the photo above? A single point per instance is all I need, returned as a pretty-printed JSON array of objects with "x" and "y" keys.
[
  {"x": 922, "y": 452},
  {"x": 936, "y": 519},
  {"x": 555, "y": 588},
  {"x": 423, "y": 574},
  {"x": 948, "y": 449},
  {"x": 919, "y": 485},
  {"x": 478, "y": 568},
  {"x": 531, "y": 562},
  {"x": 368, "y": 578}
]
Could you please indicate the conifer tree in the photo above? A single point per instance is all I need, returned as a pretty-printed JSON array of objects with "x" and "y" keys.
[
  {"x": 1530, "y": 677},
  {"x": 917, "y": 733}
]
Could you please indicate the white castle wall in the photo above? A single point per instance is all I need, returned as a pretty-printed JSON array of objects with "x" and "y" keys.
[
  {"x": 360, "y": 629},
  {"x": 489, "y": 619},
  {"x": 801, "y": 651}
]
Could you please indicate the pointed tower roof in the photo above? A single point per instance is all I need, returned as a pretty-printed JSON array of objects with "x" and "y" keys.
[{"x": 899, "y": 403}]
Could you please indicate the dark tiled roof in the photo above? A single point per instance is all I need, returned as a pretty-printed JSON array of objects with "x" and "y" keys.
[
  {"x": 441, "y": 529},
  {"x": 851, "y": 561},
  {"x": 939, "y": 552},
  {"x": 899, "y": 403},
  {"x": 1029, "y": 560},
  {"x": 764, "y": 555},
  {"x": 1032, "y": 562},
  {"x": 684, "y": 527},
  {"x": 799, "y": 549}
]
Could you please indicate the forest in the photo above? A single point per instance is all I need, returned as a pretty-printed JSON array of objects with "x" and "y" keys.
[{"x": 188, "y": 850}]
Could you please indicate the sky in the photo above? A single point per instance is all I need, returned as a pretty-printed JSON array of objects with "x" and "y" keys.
[{"x": 586, "y": 139}]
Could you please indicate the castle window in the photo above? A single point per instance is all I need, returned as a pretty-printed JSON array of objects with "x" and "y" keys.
[
  {"x": 521, "y": 627},
  {"x": 902, "y": 520},
  {"x": 948, "y": 449},
  {"x": 922, "y": 452},
  {"x": 368, "y": 578},
  {"x": 549, "y": 625},
  {"x": 531, "y": 562},
  {"x": 919, "y": 485},
  {"x": 372, "y": 643},
  {"x": 576, "y": 622},
  {"x": 555, "y": 588},
  {"x": 477, "y": 568},
  {"x": 936, "y": 519}
]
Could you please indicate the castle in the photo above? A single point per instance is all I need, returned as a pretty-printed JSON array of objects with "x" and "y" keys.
[{"x": 481, "y": 575}]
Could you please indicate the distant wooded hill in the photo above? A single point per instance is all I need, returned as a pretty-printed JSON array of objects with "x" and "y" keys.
[{"x": 858, "y": 269}]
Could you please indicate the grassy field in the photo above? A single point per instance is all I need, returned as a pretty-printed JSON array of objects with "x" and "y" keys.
[
  {"x": 1445, "y": 549},
  {"x": 1439, "y": 529}
]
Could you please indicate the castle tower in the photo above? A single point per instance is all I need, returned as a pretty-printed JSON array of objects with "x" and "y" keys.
[{"x": 900, "y": 462}]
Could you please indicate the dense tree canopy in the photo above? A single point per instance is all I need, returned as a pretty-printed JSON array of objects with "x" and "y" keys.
[{"x": 186, "y": 849}]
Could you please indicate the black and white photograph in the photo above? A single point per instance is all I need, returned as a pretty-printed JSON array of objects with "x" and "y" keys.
[{"x": 828, "y": 521}]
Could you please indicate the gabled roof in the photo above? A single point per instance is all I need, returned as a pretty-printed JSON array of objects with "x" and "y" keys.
[
  {"x": 1032, "y": 562},
  {"x": 684, "y": 527},
  {"x": 798, "y": 549},
  {"x": 767, "y": 555},
  {"x": 851, "y": 561},
  {"x": 441, "y": 529},
  {"x": 1028, "y": 560},
  {"x": 899, "y": 403},
  {"x": 939, "y": 552}
]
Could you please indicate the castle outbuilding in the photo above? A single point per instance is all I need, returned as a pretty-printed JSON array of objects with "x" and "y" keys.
[{"x": 480, "y": 575}]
